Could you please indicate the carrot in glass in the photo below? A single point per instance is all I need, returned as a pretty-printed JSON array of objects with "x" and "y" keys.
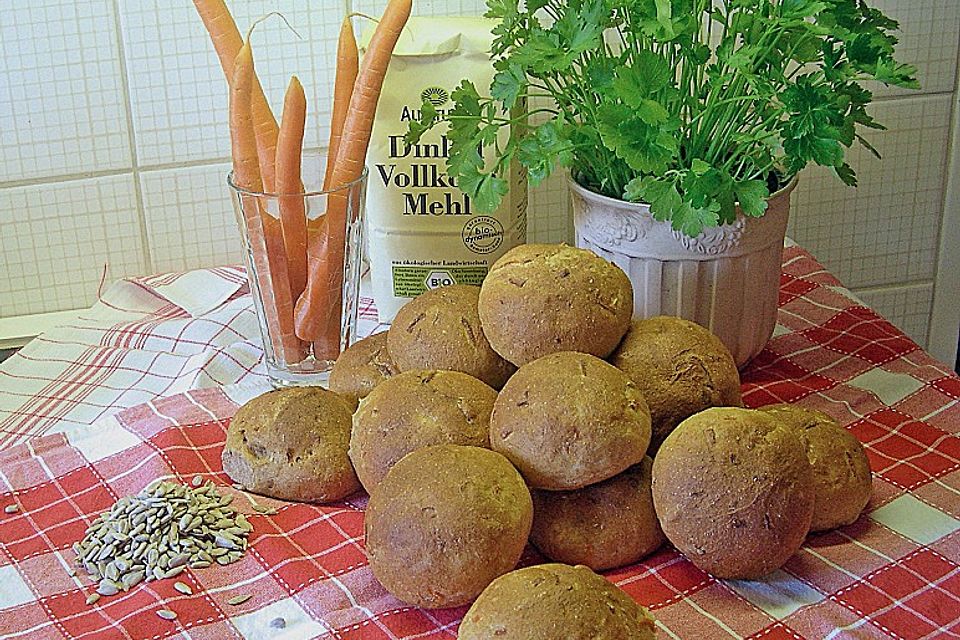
[
  {"x": 293, "y": 214},
  {"x": 227, "y": 42},
  {"x": 318, "y": 311},
  {"x": 266, "y": 237}
]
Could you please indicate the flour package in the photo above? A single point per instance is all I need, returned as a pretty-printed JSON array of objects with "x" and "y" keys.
[{"x": 422, "y": 231}]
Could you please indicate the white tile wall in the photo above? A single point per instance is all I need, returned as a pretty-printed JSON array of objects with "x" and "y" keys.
[
  {"x": 885, "y": 231},
  {"x": 56, "y": 240},
  {"x": 73, "y": 74},
  {"x": 61, "y": 91},
  {"x": 190, "y": 218}
]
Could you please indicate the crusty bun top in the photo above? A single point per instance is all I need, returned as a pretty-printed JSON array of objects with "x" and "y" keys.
[
  {"x": 440, "y": 329},
  {"x": 539, "y": 299},
  {"x": 841, "y": 469},
  {"x": 416, "y": 409},
  {"x": 445, "y": 522},
  {"x": 734, "y": 491},
  {"x": 362, "y": 367},
  {"x": 553, "y": 601},
  {"x": 292, "y": 444},
  {"x": 569, "y": 420},
  {"x": 681, "y": 369}
]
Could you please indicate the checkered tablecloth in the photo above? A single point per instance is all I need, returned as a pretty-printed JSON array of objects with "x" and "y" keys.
[{"x": 894, "y": 573}]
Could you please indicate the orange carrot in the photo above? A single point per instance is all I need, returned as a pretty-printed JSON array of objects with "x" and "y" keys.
[
  {"x": 293, "y": 215},
  {"x": 348, "y": 63},
  {"x": 227, "y": 42},
  {"x": 318, "y": 311},
  {"x": 266, "y": 237}
]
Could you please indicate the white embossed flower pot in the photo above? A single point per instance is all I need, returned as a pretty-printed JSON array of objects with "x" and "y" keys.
[{"x": 727, "y": 279}]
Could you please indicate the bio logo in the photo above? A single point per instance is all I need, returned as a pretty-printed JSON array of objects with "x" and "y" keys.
[
  {"x": 437, "y": 279},
  {"x": 435, "y": 96}
]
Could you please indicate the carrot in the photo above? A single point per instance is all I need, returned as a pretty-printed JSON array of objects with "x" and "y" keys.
[
  {"x": 348, "y": 63},
  {"x": 318, "y": 311},
  {"x": 227, "y": 42},
  {"x": 293, "y": 215},
  {"x": 266, "y": 237}
]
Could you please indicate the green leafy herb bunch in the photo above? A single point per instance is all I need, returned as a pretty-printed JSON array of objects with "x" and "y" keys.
[{"x": 691, "y": 106}]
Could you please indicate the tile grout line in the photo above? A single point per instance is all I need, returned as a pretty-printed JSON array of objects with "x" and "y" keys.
[{"x": 131, "y": 138}]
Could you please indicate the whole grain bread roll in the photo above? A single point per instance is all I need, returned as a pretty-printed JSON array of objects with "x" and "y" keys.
[
  {"x": 841, "y": 471},
  {"x": 292, "y": 444},
  {"x": 362, "y": 367},
  {"x": 734, "y": 492},
  {"x": 440, "y": 329},
  {"x": 603, "y": 526},
  {"x": 554, "y": 602},
  {"x": 569, "y": 420},
  {"x": 416, "y": 409},
  {"x": 539, "y": 299},
  {"x": 681, "y": 369},
  {"x": 445, "y": 522}
]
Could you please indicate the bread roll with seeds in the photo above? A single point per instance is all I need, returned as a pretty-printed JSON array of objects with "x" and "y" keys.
[
  {"x": 681, "y": 369},
  {"x": 414, "y": 410},
  {"x": 569, "y": 420},
  {"x": 603, "y": 526},
  {"x": 292, "y": 444},
  {"x": 540, "y": 299},
  {"x": 734, "y": 492},
  {"x": 554, "y": 601},
  {"x": 440, "y": 329},
  {"x": 842, "y": 482},
  {"x": 445, "y": 522},
  {"x": 361, "y": 368}
]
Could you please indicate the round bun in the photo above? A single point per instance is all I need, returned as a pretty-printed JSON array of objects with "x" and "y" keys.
[
  {"x": 551, "y": 601},
  {"x": 603, "y": 526},
  {"x": 362, "y": 367},
  {"x": 569, "y": 420},
  {"x": 841, "y": 471},
  {"x": 445, "y": 522},
  {"x": 734, "y": 492},
  {"x": 540, "y": 299},
  {"x": 441, "y": 330},
  {"x": 292, "y": 445},
  {"x": 417, "y": 409},
  {"x": 681, "y": 369}
]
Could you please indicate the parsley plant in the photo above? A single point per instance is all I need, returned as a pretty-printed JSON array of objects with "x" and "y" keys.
[{"x": 692, "y": 106}]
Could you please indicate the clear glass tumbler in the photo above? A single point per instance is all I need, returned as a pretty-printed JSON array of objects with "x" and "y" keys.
[{"x": 303, "y": 257}]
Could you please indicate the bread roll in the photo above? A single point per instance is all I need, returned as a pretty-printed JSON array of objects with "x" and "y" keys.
[
  {"x": 554, "y": 602},
  {"x": 292, "y": 445},
  {"x": 445, "y": 522},
  {"x": 441, "y": 330},
  {"x": 569, "y": 420},
  {"x": 605, "y": 525},
  {"x": 734, "y": 492},
  {"x": 362, "y": 367},
  {"x": 841, "y": 471},
  {"x": 681, "y": 369},
  {"x": 539, "y": 299},
  {"x": 414, "y": 410}
]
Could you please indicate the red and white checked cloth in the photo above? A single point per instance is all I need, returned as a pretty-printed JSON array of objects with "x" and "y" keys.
[{"x": 894, "y": 573}]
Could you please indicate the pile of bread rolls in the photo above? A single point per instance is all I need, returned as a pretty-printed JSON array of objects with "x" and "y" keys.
[{"x": 533, "y": 409}]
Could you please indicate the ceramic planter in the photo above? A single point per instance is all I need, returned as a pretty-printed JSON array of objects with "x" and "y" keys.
[{"x": 727, "y": 279}]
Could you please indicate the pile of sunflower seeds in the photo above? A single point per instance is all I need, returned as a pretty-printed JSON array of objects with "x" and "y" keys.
[{"x": 160, "y": 531}]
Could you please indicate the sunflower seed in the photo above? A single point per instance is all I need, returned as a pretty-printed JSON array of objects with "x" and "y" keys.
[
  {"x": 173, "y": 573},
  {"x": 166, "y": 614},
  {"x": 132, "y": 579},
  {"x": 199, "y": 564},
  {"x": 237, "y": 600},
  {"x": 183, "y": 588},
  {"x": 11, "y": 508},
  {"x": 259, "y": 508},
  {"x": 197, "y": 481},
  {"x": 108, "y": 588},
  {"x": 92, "y": 598},
  {"x": 278, "y": 623}
]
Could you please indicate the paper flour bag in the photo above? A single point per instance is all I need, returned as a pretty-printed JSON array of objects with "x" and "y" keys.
[{"x": 423, "y": 232}]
